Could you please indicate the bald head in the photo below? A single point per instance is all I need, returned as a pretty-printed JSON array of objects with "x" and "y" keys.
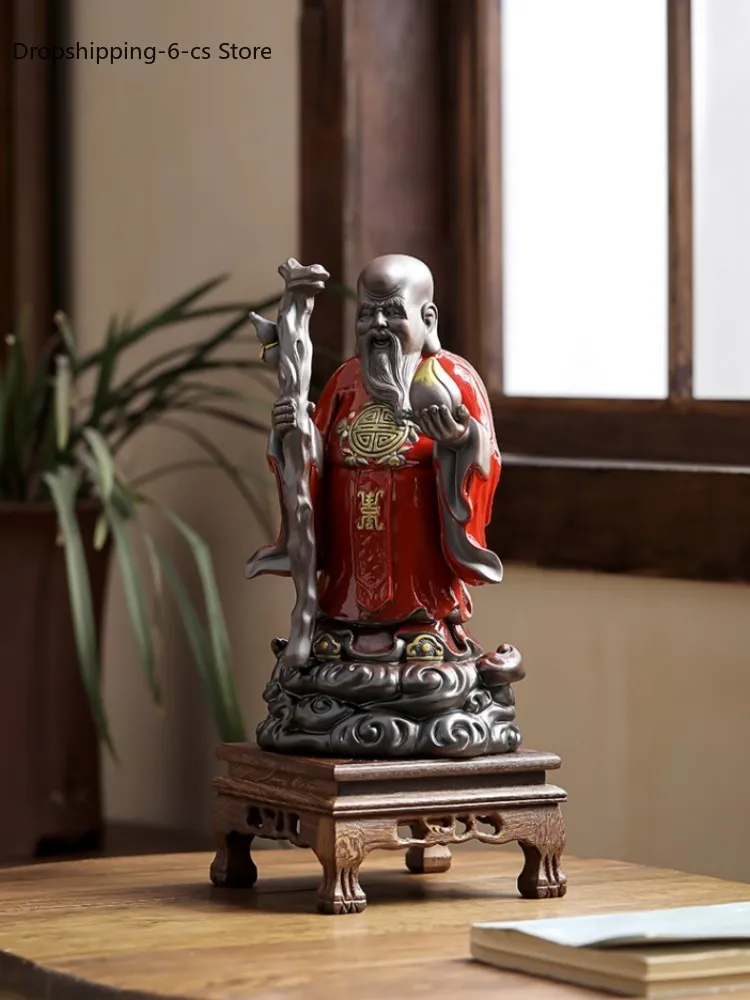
[
  {"x": 394, "y": 273},
  {"x": 395, "y": 291},
  {"x": 396, "y": 325}
]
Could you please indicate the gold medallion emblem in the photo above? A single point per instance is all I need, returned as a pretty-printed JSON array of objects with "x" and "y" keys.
[{"x": 375, "y": 435}]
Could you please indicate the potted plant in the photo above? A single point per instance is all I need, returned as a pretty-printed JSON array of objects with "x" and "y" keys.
[{"x": 65, "y": 509}]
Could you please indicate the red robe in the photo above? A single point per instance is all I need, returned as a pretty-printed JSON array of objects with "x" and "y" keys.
[{"x": 384, "y": 551}]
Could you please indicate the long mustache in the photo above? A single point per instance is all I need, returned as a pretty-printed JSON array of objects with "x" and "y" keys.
[{"x": 386, "y": 371}]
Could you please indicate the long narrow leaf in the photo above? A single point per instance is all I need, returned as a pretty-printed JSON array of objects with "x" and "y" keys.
[
  {"x": 226, "y": 725},
  {"x": 173, "y": 313},
  {"x": 200, "y": 353},
  {"x": 63, "y": 400},
  {"x": 158, "y": 386},
  {"x": 223, "y": 462},
  {"x": 101, "y": 533},
  {"x": 135, "y": 597},
  {"x": 15, "y": 443},
  {"x": 104, "y": 461},
  {"x": 63, "y": 487},
  {"x": 157, "y": 580},
  {"x": 4, "y": 412},
  {"x": 179, "y": 391},
  {"x": 106, "y": 373},
  {"x": 18, "y": 384},
  {"x": 243, "y": 309},
  {"x": 220, "y": 675},
  {"x": 223, "y": 392},
  {"x": 135, "y": 593},
  {"x": 63, "y": 325},
  {"x": 197, "y": 463},
  {"x": 227, "y": 415}
]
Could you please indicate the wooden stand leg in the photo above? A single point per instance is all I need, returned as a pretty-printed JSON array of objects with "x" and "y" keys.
[
  {"x": 427, "y": 860},
  {"x": 340, "y": 850},
  {"x": 232, "y": 867},
  {"x": 542, "y": 877},
  {"x": 343, "y": 809}
]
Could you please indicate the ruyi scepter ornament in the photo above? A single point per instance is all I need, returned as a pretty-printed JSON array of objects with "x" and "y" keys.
[{"x": 385, "y": 492}]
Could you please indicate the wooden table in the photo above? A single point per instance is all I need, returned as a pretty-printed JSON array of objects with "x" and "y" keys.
[{"x": 82, "y": 930}]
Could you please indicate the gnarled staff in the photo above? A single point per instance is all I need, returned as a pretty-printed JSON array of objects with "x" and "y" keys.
[{"x": 286, "y": 346}]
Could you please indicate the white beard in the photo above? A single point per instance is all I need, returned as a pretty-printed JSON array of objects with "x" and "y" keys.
[{"x": 387, "y": 373}]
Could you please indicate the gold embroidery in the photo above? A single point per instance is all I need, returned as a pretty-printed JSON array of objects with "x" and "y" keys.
[
  {"x": 375, "y": 436},
  {"x": 424, "y": 647},
  {"x": 326, "y": 647},
  {"x": 369, "y": 511}
]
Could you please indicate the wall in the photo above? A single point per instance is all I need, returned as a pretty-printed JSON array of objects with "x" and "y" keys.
[
  {"x": 185, "y": 170},
  {"x": 642, "y": 687}
]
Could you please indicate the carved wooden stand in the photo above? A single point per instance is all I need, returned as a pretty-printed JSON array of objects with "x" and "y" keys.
[{"x": 343, "y": 809}]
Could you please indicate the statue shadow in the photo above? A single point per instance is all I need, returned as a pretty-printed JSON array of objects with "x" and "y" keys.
[{"x": 298, "y": 893}]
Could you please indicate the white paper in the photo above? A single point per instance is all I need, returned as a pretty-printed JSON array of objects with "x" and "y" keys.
[{"x": 722, "y": 922}]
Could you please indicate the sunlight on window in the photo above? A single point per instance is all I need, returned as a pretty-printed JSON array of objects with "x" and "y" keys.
[
  {"x": 721, "y": 193},
  {"x": 585, "y": 238}
]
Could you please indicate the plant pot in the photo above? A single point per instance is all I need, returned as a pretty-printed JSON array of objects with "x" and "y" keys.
[{"x": 49, "y": 748}]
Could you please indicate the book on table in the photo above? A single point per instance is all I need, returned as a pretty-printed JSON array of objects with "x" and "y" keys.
[{"x": 651, "y": 953}]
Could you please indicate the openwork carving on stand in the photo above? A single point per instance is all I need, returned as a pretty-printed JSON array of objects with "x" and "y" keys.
[
  {"x": 275, "y": 824},
  {"x": 454, "y": 829}
]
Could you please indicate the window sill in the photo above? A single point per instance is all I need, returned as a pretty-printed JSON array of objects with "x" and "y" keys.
[{"x": 643, "y": 518}]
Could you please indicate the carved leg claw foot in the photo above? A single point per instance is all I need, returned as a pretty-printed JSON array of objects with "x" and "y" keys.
[
  {"x": 340, "y": 891},
  {"x": 541, "y": 877},
  {"x": 232, "y": 867},
  {"x": 428, "y": 860},
  {"x": 340, "y": 848}
]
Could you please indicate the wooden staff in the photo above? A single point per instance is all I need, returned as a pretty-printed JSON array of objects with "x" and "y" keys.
[{"x": 287, "y": 347}]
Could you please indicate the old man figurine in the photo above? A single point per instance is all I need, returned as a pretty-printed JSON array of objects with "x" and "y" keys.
[{"x": 405, "y": 467}]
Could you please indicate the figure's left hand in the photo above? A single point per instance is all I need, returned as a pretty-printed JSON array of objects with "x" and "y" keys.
[{"x": 442, "y": 426}]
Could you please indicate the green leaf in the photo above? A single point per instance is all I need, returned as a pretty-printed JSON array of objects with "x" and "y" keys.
[
  {"x": 194, "y": 362},
  {"x": 106, "y": 371},
  {"x": 101, "y": 533},
  {"x": 63, "y": 325},
  {"x": 212, "y": 390},
  {"x": 104, "y": 461},
  {"x": 218, "y": 456},
  {"x": 157, "y": 580},
  {"x": 135, "y": 594},
  {"x": 63, "y": 486},
  {"x": 4, "y": 408},
  {"x": 224, "y": 720},
  {"x": 170, "y": 396},
  {"x": 227, "y": 415},
  {"x": 243, "y": 309},
  {"x": 135, "y": 598},
  {"x": 218, "y": 676},
  {"x": 180, "y": 304},
  {"x": 47, "y": 456},
  {"x": 63, "y": 400},
  {"x": 13, "y": 441},
  {"x": 198, "y": 463},
  {"x": 175, "y": 312}
]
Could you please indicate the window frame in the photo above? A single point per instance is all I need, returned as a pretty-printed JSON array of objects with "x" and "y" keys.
[
  {"x": 32, "y": 173},
  {"x": 657, "y": 487}
]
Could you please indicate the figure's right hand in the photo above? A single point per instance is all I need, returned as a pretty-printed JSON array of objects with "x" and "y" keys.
[{"x": 284, "y": 415}]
